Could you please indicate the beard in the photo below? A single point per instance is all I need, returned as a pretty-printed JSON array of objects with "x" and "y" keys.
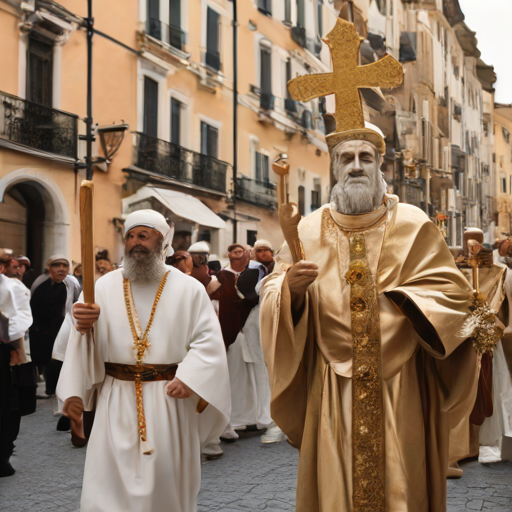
[
  {"x": 140, "y": 264},
  {"x": 359, "y": 196}
]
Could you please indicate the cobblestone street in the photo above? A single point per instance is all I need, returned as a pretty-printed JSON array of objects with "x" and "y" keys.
[{"x": 251, "y": 476}]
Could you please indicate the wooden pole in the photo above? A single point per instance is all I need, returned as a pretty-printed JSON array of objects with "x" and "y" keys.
[{"x": 86, "y": 236}]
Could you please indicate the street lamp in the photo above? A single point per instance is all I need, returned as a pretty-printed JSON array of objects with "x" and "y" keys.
[{"x": 111, "y": 138}]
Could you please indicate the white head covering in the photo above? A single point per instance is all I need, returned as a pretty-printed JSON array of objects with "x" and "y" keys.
[
  {"x": 150, "y": 219},
  {"x": 263, "y": 243},
  {"x": 57, "y": 258},
  {"x": 199, "y": 247}
]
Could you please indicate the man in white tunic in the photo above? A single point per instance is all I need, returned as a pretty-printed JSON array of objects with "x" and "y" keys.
[{"x": 154, "y": 359}]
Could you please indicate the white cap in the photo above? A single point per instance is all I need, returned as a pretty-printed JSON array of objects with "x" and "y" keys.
[
  {"x": 57, "y": 258},
  {"x": 199, "y": 247},
  {"x": 150, "y": 219},
  {"x": 263, "y": 243}
]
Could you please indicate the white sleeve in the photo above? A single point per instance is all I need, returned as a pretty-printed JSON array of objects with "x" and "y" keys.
[{"x": 22, "y": 319}]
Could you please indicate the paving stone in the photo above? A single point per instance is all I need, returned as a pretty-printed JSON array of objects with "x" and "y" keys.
[{"x": 251, "y": 476}]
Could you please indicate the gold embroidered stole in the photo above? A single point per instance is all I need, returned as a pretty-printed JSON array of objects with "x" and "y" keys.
[
  {"x": 368, "y": 466},
  {"x": 368, "y": 448},
  {"x": 141, "y": 346}
]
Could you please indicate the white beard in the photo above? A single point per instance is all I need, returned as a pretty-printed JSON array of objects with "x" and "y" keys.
[
  {"x": 358, "y": 198},
  {"x": 150, "y": 267}
]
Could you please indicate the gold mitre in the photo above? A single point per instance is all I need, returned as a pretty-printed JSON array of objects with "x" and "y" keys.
[{"x": 345, "y": 81}]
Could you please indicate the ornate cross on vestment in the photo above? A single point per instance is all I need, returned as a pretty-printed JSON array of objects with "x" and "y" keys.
[{"x": 347, "y": 77}]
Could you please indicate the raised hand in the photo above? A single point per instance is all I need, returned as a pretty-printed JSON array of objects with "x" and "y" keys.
[{"x": 85, "y": 316}]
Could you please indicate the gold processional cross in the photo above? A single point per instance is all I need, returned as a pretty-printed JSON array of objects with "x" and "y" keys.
[{"x": 347, "y": 77}]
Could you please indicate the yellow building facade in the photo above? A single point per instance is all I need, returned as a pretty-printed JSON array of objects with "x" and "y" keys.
[{"x": 165, "y": 69}]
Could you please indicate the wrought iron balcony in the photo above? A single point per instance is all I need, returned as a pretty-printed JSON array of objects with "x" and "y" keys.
[
  {"x": 267, "y": 100},
  {"x": 38, "y": 127},
  {"x": 179, "y": 163},
  {"x": 259, "y": 193},
  {"x": 169, "y": 34}
]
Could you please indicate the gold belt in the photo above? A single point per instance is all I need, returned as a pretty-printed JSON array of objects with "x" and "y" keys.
[{"x": 140, "y": 373}]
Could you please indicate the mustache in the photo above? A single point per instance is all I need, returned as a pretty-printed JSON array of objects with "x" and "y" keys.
[{"x": 138, "y": 248}]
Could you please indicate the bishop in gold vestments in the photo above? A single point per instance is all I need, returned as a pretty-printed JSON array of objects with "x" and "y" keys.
[
  {"x": 363, "y": 342},
  {"x": 429, "y": 373}
]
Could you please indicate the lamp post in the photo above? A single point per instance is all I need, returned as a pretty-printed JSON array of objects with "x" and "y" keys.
[{"x": 235, "y": 117}]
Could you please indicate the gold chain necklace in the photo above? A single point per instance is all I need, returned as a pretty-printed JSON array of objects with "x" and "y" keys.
[{"x": 141, "y": 345}]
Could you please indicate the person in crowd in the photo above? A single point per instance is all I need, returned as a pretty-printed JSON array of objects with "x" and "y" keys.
[
  {"x": 238, "y": 315},
  {"x": 53, "y": 295},
  {"x": 10, "y": 267},
  {"x": 77, "y": 273},
  {"x": 200, "y": 252},
  {"x": 103, "y": 264},
  {"x": 264, "y": 254},
  {"x": 23, "y": 267},
  {"x": 144, "y": 450},
  {"x": 182, "y": 261},
  {"x": 14, "y": 323}
]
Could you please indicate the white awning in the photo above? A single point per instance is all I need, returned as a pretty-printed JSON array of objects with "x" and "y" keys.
[{"x": 182, "y": 205}]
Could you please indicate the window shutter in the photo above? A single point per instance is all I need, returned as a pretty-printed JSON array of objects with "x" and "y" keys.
[
  {"x": 258, "y": 165},
  {"x": 153, "y": 19},
  {"x": 302, "y": 200},
  {"x": 212, "y": 39},
  {"x": 40, "y": 72},
  {"x": 301, "y": 19},
  {"x": 150, "y": 107},
  {"x": 204, "y": 138},
  {"x": 213, "y": 142},
  {"x": 175, "y": 13},
  {"x": 265, "y": 169},
  {"x": 175, "y": 121}
]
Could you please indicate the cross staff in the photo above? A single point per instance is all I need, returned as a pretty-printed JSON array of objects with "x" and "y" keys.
[{"x": 347, "y": 77}]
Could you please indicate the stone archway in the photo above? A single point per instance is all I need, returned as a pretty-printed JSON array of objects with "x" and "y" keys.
[{"x": 40, "y": 213}]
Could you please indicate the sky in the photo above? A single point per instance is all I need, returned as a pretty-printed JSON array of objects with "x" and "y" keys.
[{"x": 492, "y": 20}]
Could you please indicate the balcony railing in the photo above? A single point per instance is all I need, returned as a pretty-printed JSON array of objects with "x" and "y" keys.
[
  {"x": 298, "y": 34},
  {"x": 169, "y": 34},
  {"x": 181, "y": 164},
  {"x": 259, "y": 193},
  {"x": 38, "y": 127}
]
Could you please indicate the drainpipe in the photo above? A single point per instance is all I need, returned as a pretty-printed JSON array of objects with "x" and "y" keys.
[
  {"x": 234, "y": 24},
  {"x": 89, "y": 137}
]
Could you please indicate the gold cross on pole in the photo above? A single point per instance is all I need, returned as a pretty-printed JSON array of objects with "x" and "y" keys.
[{"x": 347, "y": 77}]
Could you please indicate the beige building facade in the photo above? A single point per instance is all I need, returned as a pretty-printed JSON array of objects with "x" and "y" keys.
[{"x": 163, "y": 69}]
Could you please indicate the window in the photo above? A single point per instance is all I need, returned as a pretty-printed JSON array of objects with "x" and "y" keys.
[
  {"x": 261, "y": 167},
  {"x": 252, "y": 236},
  {"x": 316, "y": 194},
  {"x": 302, "y": 200},
  {"x": 504, "y": 185},
  {"x": 486, "y": 129},
  {"x": 150, "y": 107},
  {"x": 212, "y": 39},
  {"x": 319, "y": 18},
  {"x": 288, "y": 11},
  {"x": 176, "y": 107},
  {"x": 153, "y": 26},
  {"x": 209, "y": 140},
  {"x": 266, "y": 98},
  {"x": 301, "y": 16},
  {"x": 176, "y": 35},
  {"x": 40, "y": 72},
  {"x": 265, "y": 6},
  {"x": 506, "y": 134}
]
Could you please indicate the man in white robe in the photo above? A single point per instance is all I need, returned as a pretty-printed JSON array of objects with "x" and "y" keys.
[{"x": 145, "y": 455}]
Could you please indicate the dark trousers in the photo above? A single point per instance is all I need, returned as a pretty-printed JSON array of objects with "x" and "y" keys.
[
  {"x": 9, "y": 429},
  {"x": 51, "y": 374}
]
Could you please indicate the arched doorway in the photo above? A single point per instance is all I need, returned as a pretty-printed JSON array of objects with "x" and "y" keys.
[{"x": 34, "y": 218}]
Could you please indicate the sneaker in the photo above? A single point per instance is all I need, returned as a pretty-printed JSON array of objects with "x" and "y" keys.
[{"x": 273, "y": 435}]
